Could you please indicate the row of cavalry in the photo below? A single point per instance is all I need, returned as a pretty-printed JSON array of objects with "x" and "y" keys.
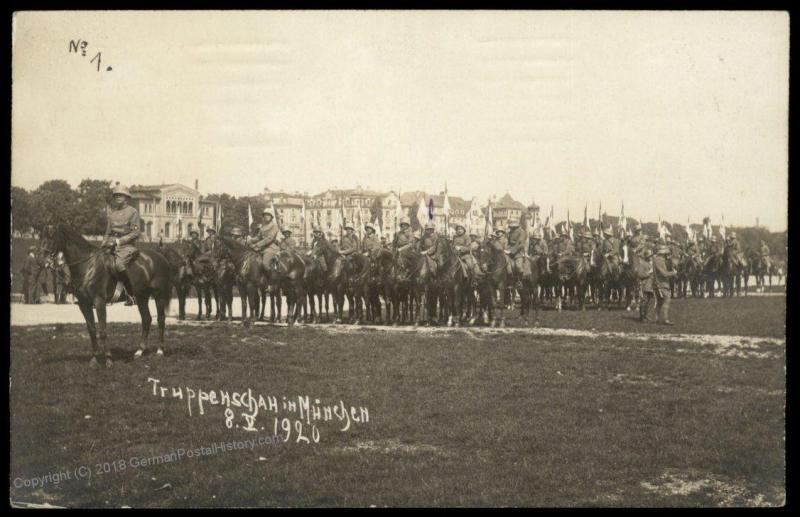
[{"x": 385, "y": 287}]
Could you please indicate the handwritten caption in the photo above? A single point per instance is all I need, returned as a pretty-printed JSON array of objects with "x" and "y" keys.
[
  {"x": 79, "y": 46},
  {"x": 295, "y": 418}
]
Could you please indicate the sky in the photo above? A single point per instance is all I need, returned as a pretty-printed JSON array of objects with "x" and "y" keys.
[{"x": 679, "y": 115}]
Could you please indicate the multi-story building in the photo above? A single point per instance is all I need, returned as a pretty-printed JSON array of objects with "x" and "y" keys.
[
  {"x": 465, "y": 212},
  {"x": 289, "y": 208},
  {"x": 504, "y": 209},
  {"x": 356, "y": 205},
  {"x": 169, "y": 212}
]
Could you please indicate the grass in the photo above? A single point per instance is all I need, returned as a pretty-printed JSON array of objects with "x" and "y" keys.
[{"x": 454, "y": 420}]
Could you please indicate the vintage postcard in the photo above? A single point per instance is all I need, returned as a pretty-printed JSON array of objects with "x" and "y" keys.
[{"x": 398, "y": 259}]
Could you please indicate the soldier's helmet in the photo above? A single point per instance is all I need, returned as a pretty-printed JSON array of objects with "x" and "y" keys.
[
  {"x": 460, "y": 226},
  {"x": 733, "y": 235},
  {"x": 33, "y": 248},
  {"x": 473, "y": 233},
  {"x": 236, "y": 231},
  {"x": 607, "y": 232},
  {"x": 121, "y": 190},
  {"x": 663, "y": 250},
  {"x": 194, "y": 232},
  {"x": 267, "y": 212},
  {"x": 647, "y": 253},
  {"x": 348, "y": 226},
  {"x": 287, "y": 232},
  {"x": 210, "y": 230},
  {"x": 405, "y": 220},
  {"x": 713, "y": 238},
  {"x": 499, "y": 229},
  {"x": 430, "y": 226},
  {"x": 369, "y": 225}
]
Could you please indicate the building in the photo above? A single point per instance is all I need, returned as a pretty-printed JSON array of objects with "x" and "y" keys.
[
  {"x": 170, "y": 211},
  {"x": 355, "y": 205},
  {"x": 507, "y": 208},
  {"x": 289, "y": 211},
  {"x": 467, "y": 213}
]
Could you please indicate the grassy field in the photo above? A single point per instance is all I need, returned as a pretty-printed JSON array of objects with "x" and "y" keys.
[{"x": 461, "y": 419}]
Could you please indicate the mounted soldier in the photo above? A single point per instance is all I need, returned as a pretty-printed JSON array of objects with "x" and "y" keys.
[
  {"x": 462, "y": 243},
  {"x": 499, "y": 238},
  {"x": 538, "y": 246},
  {"x": 122, "y": 232},
  {"x": 288, "y": 243},
  {"x": 429, "y": 246},
  {"x": 518, "y": 249},
  {"x": 764, "y": 252},
  {"x": 349, "y": 244},
  {"x": 610, "y": 246},
  {"x": 194, "y": 239},
  {"x": 733, "y": 243},
  {"x": 563, "y": 245},
  {"x": 210, "y": 242},
  {"x": 266, "y": 241},
  {"x": 317, "y": 240},
  {"x": 403, "y": 243},
  {"x": 237, "y": 234},
  {"x": 585, "y": 243},
  {"x": 370, "y": 244}
]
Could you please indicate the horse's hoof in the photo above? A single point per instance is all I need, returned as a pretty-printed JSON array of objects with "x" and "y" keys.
[
  {"x": 109, "y": 362},
  {"x": 502, "y": 323},
  {"x": 160, "y": 352},
  {"x": 472, "y": 321},
  {"x": 492, "y": 324},
  {"x": 138, "y": 354},
  {"x": 537, "y": 324},
  {"x": 93, "y": 363},
  {"x": 357, "y": 322}
]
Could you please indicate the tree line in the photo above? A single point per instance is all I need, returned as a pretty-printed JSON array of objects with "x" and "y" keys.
[{"x": 85, "y": 208}]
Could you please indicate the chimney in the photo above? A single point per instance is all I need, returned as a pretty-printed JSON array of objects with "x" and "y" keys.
[{"x": 196, "y": 184}]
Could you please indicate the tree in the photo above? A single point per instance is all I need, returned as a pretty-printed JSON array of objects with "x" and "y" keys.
[
  {"x": 54, "y": 200},
  {"x": 21, "y": 210},
  {"x": 93, "y": 198}
]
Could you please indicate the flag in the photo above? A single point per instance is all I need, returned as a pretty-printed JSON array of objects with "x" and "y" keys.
[
  {"x": 430, "y": 209},
  {"x": 341, "y": 215},
  {"x": 623, "y": 223},
  {"x": 722, "y": 228},
  {"x": 707, "y": 227},
  {"x": 586, "y": 217},
  {"x": 249, "y": 218},
  {"x": 550, "y": 221},
  {"x": 219, "y": 219},
  {"x": 488, "y": 227},
  {"x": 178, "y": 229},
  {"x": 600, "y": 216},
  {"x": 569, "y": 227},
  {"x": 422, "y": 213},
  {"x": 446, "y": 211},
  {"x": 689, "y": 231}
]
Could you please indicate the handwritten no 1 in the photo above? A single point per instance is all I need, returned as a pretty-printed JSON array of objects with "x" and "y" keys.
[{"x": 79, "y": 46}]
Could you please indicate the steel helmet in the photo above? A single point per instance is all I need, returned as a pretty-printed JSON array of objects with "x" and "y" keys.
[
  {"x": 121, "y": 190},
  {"x": 405, "y": 220},
  {"x": 236, "y": 231},
  {"x": 369, "y": 225},
  {"x": 430, "y": 226}
]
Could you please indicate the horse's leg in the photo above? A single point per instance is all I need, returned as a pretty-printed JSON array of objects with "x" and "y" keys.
[
  {"x": 100, "y": 307},
  {"x": 243, "y": 295},
  {"x": 199, "y": 289},
  {"x": 88, "y": 315},
  {"x": 161, "y": 318},
  {"x": 144, "y": 313},
  {"x": 180, "y": 289}
]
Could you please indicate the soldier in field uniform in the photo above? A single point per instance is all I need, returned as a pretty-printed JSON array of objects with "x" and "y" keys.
[
  {"x": 563, "y": 245},
  {"x": 429, "y": 245},
  {"x": 662, "y": 276},
  {"x": 122, "y": 232},
  {"x": 349, "y": 244},
  {"x": 238, "y": 235},
  {"x": 518, "y": 249},
  {"x": 610, "y": 246},
  {"x": 267, "y": 240},
  {"x": 462, "y": 243},
  {"x": 209, "y": 243},
  {"x": 288, "y": 243},
  {"x": 29, "y": 269},
  {"x": 370, "y": 244},
  {"x": 403, "y": 242}
]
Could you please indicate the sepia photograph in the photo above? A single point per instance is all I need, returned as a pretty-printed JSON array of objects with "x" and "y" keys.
[{"x": 333, "y": 259}]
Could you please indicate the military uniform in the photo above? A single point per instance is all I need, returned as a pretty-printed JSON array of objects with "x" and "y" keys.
[
  {"x": 288, "y": 243},
  {"x": 404, "y": 242},
  {"x": 463, "y": 244},
  {"x": 733, "y": 243},
  {"x": 429, "y": 245},
  {"x": 266, "y": 243},
  {"x": 538, "y": 247},
  {"x": 349, "y": 244},
  {"x": 610, "y": 247},
  {"x": 517, "y": 250},
  {"x": 29, "y": 269},
  {"x": 585, "y": 245},
  {"x": 123, "y": 228},
  {"x": 661, "y": 278},
  {"x": 319, "y": 237},
  {"x": 63, "y": 279},
  {"x": 209, "y": 243},
  {"x": 563, "y": 246},
  {"x": 371, "y": 244}
]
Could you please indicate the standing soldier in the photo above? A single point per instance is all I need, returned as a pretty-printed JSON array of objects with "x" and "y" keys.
[
  {"x": 266, "y": 241},
  {"x": 29, "y": 268},
  {"x": 63, "y": 278},
  {"x": 349, "y": 244},
  {"x": 518, "y": 249},
  {"x": 662, "y": 276},
  {"x": 370, "y": 245},
  {"x": 462, "y": 243},
  {"x": 429, "y": 246},
  {"x": 122, "y": 233},
  {"x": 647, "y": 286},
  {"x": 288, "y": 243}
]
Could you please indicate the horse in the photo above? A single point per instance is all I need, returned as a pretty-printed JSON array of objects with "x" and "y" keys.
[
  {"x": 289, "y": 273},
  {"x": 494, "y": 262},
  {"x": 94, "y": 279},
  {"x": 759, "y": 268},
  {"x": 315, "y": 285},
  {"x": 528, "y": 293},
  {"x": 572, "y": 274},
  {"x": 630, "y": 277},
  {"x": 694, "y": 275},
  {"x": 776, "y": 269},
  {"x": 181, "y": 274},
  {"x": 711, "y": 272},
  {"x": 402, "y": 275},
  {"x": 224, "y": 280},
  {"x": 607, "y": 274},
  {"x": 454, "y": 283},
  {"x": 338, "y": 271},
  {"x": 250, "y": 276}
]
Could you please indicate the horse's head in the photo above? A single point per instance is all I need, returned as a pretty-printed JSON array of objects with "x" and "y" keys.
[{"x": 51, "y": 240}]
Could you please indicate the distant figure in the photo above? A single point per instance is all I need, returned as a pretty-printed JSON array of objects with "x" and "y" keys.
[
  {"x": 29, "y": 268},
  {"x": 63, "y": 279},
  {"x": 661, "y": 277},
  {"x": 646, "y": 283}
]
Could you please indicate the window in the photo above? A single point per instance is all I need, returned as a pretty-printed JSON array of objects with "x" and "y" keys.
[
  {"x": 166, "y": 229},
  {"x": 149, "y": 229}
]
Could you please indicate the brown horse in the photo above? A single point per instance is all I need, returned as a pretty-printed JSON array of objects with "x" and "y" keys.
[
  {"x": 572, "y": 273},
  {"x": 493, "y": 287},
  {"x": 250, "y": 276},
  {"x": 289, "y": 273},
  {"x": 94, "y": 279}
]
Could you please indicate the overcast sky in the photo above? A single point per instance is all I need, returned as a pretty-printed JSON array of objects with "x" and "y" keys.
[{"x": 678, "y": 114}]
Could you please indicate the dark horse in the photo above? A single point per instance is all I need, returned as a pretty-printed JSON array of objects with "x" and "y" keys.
[
  {"x": 250, "y": 276},
  {"x": 572, "y": 273},
  {"x": 94, "y": 279},
  {"x": 493, "y": 287},
  {"x": 289, "y": 273}
]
